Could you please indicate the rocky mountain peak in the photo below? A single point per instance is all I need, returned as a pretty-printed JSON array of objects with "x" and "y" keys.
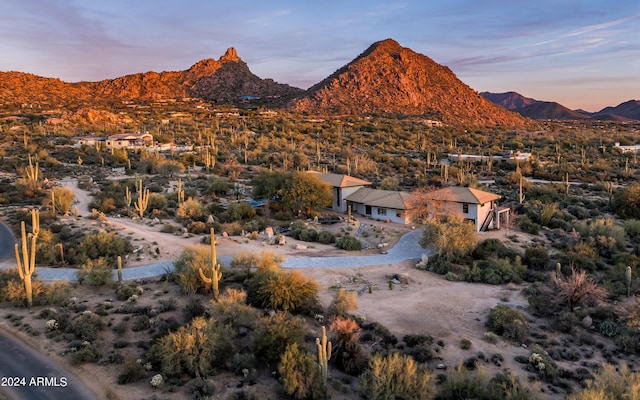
[{"x": 230, "y": 55}]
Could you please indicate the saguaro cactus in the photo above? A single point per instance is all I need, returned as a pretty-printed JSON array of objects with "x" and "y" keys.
[
  {"x": 26, "y": 256},
  {"x": 558, "y": 270},
  {"x": 324, "y": 354},
  {"x": 143, "y": 200},
  {"x": 180, "y": 192},
  {"x": 628, "y": 280},
  {"x": 119, "y": 269},
  {"x": 216, "y": 274}
]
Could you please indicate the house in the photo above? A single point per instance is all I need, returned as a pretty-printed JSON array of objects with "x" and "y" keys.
[
  {"x": 474, "y": 205},
  {"x": 386, "y": 205},
  {"x": 341, "y": 186},
  {"x": 90, "y": 141},
  {"x": 129, "y": 140}
]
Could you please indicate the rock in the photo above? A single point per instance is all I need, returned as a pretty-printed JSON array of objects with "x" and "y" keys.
[
  {"x": 225, "y": 235},
  {"x": 281, "y": 240},
  {"x": 441, "y": 366},
  {"x": 395, "y": 281},
  {"x": 269, "y": 232},
  {"x": 587, "y": 321},
  {"x": 300, "y": 247},
  {"x": 425, "y": 258},
  {"x": 210, "y": 219},
  {"x": 156, "y": 220},
  {"x": 404, "y": 279}
]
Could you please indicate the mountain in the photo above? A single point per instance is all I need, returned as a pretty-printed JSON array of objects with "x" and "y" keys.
[
  {"x": 629, "y": 109},
  {"x": 390, "y": 79},
  {"x": 509, "y": 100},
  {"x": 535, "y": 109},
  {"x": 549, "y": 110},
  {"x": 225, "y": 79}
]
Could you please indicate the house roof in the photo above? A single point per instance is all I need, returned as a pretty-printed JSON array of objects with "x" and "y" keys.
[
  {"x": 340, "y": 181},
  {"x": 460, "y": 194},
  {"x": 130, "y": 136},
  {"x": 380, "y": 198}
]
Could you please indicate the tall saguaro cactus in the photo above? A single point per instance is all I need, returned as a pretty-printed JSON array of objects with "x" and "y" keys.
[
  {"x": 26, "y": 256},
  {"x": 180, "y": 192},
  {"x": 143, "y": 200},
  {"x": 324, "y": 354},
  {"x": 119, "y": 269},
  {"x": 216, "y": 274},
  {"x": 627, "y": 277}
]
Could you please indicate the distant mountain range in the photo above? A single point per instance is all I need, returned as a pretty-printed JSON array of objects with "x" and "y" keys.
[
  {"x": 536, "y": 109},
  {"x": 386, "y": 79}
]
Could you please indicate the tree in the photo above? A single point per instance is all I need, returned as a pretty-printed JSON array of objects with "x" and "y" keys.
[
  {"x": 626, "y": 201},
  {"x": 300, "y": 373},
  {"x": 452, "y": 238},
  {"x": 306, "y": 192}
]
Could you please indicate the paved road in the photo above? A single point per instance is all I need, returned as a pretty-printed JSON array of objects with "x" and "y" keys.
[
  {"x": 26, "y": 374},
  {"x": 407, "y": 248}
]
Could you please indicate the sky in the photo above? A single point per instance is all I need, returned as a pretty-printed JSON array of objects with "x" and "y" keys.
[{"x": 581, "y": 53}]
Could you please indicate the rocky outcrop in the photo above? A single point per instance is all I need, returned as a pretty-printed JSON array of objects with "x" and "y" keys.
[{"x": 390, "y": 79}]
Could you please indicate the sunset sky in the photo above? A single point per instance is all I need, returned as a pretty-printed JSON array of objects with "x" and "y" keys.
[{"x": 582, "y": 54}]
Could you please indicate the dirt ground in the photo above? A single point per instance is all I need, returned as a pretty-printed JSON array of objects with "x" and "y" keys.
[{"x": 428, "y": 304}]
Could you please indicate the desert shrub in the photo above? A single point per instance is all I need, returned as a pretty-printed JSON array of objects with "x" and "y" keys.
[
  {"x": 308, "y": 235},
  {"x": 508, "y": 323},
  {"x": 576, "y": 289},
  {"x": 416, "y": 340},
  {"x": 326, "y": 237},
  {"x": 157, "y": 203},
  {"x": 192, "y": 209},
  {"x": 281, "y": 290},
  {"x": 492, "y": 248},
  {"x": 528, "y": 226},
  {"x": 231, "y": 309},
  {"x": 465, "y": 344},
  {"x": 347, "y": 355},
  {"x": 194, "y": 308},
  {"x": 87, "y": 352},
  {"x": 85, "y": 326},
  {"x": 461, "y": 384},
  {"x": 612, "y": 382},
  {"x": 140, "y": 323},
  {"x": 626, "y": 201},
  {"x": 343, "y": 303},
  {"x": 194, "y": 349},
  {"x": 496, "y": 271},
  {"x": 536, "y": 258},
  {"x": 97, "y": 272},
  {"x": 200, "y": 388},
  {"x": 608, "y": 328},
  {"x": 62, "y": 199},
  {"x": 168, "y": 228},
  {"x": 131, "y": 371},
  {"x": 301, "y": 378},
  {"x": 542, "y": 364},
  {"x": 278, "y": 331},
  {"x": 124, "y": 292},
  {"x": 191, "y": 259},
  {"x": 452, "y": 239},
  {"x": 105, "y": 244},
  {"x": 395, "y": 376},
  {"x": 197, "y": 227},
  {"x": 349, "y": 242},
  {"x": 603, "y": 234}
]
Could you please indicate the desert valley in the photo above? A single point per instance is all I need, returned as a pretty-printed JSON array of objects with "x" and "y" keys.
[{"x": 388, "y": 233}]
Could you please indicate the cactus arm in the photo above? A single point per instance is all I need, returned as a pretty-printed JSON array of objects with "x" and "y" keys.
[{"x": 203, "y": 276}]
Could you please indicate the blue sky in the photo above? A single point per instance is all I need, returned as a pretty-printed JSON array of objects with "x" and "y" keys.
[{"x": 583, "y": 54}]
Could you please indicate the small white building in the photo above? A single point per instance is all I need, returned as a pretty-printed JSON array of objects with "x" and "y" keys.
[
  {"x": 129, "y": 141},
  {"x": 474, "y": 205},
  {"x": 384, "y": 205}
]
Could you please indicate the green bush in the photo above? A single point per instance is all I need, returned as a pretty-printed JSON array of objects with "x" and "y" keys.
[
  {"x": 131, "y": 371},
  {"x": 200, "y": 388},
  {"x": 96, "y": 272},
  {"x": 278, "y": 331},
  {"x": 281, "y": 290},
  {"x": 508, "y": 323},
  {"x": 326, "y": 237},
  {"x": 496, "y": 271},
  {"x": 536, "y": 258},
  {"x": 349, "y": 242},
  {"x": 107, "y": 245},
  {"x": 301, "y": 378},
  {"x": 85, "y": 326},
  {"x": 395, "y": 376}
]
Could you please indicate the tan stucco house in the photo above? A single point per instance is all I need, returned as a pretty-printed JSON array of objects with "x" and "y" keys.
[
  {"x": 341, "y": 187},
  {"x": 384, "y": 205}
]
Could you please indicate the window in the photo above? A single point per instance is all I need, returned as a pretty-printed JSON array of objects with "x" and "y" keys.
[
  {"x": 382, "y": 211},
  {"x": 398, "y": 213},
  {"x": 465, "y": 208},
  {"x": 367, "y": 210}
]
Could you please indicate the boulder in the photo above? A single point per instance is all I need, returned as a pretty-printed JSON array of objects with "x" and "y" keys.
[{"x": 300, "y": 247}]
